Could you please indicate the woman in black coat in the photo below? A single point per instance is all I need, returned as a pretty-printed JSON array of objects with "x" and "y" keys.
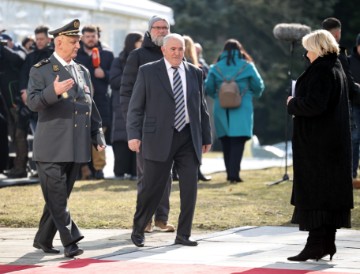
[
  {"x": 322, "y": 188},
  {"x": 124, "y": 158}
]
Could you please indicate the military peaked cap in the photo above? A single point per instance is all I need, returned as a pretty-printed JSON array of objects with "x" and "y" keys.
[{"x": 71, "y": 29}]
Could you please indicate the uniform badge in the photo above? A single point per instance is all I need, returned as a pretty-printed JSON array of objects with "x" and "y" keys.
[
  {"x": 56, "y": 68},
  {"x": 76, "y": 24}
]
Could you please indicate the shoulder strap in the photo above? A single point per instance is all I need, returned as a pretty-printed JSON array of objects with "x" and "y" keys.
[{"x": 236, "y": 75}]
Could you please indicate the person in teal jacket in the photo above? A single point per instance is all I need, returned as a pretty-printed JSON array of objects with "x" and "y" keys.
[{"x": 234, "y": 126}]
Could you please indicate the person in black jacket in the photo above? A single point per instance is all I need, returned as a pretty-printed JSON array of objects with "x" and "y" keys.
[
  {"x": 333, "y": 25},
  {"x": 11, "y": 59},
  {"x": 322, "y": 187},
  {"x": 26, "y": 117},
  {"x": 150, "y": 51},
  {"x": 100, "y": 80},
  {"x": 354, "y": 64},
  {"x": 124, "y": 158}
]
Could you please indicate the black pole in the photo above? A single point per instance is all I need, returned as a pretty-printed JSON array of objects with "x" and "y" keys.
[{"x": 286, "y": 175}]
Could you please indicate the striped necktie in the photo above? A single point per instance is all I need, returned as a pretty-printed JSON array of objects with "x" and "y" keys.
[{"x": 179, "y": 101}]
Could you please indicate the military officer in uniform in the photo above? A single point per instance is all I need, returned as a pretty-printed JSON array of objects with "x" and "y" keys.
[{"x": 60, "y": 91}]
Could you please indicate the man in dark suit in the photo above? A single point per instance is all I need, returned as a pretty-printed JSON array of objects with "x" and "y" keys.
[
  {"x": 68, "y": 122},
  {"x": 149, "y": 51},
  {"x": 168, "y": 120}
]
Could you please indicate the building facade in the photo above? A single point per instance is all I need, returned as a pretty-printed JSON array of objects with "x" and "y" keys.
[{"x": 115, "y": 17}]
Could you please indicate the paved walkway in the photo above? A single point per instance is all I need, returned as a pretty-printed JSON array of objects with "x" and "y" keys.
[{"x": 238, "y": 250}]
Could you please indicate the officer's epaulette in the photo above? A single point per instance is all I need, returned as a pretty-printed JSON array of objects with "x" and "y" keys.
[{"x": 41, "y": 63}]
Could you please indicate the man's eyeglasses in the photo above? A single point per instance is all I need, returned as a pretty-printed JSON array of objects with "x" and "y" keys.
[{"x": 160, "y": 28}]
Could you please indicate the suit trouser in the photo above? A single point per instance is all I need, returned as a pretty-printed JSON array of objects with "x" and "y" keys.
[
  {"x": 162, "y": 211},
  {"x": 155, "y": 179},
  {"x": 57, "y": 181}
]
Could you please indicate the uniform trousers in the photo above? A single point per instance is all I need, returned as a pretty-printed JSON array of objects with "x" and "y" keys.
[
  {"x": 57, "y": 181},
  {"x": 155, "y": 179}
]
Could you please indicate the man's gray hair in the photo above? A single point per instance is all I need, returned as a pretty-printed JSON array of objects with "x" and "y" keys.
[{"x": 173, "y": 36}]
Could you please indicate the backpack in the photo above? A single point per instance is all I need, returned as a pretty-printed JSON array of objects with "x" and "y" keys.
[{"x": 229, "y": 93}]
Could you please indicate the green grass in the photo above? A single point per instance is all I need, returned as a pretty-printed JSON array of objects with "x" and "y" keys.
[{"x": 111, "y": 203}]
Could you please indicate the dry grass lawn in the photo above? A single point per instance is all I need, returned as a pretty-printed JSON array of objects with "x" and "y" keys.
[{"x": 111, "y": 203}]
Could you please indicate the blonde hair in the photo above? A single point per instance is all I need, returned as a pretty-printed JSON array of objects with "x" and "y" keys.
[
  {"x": 190, "y": 51},
  {"x": 321, "y": 42}
]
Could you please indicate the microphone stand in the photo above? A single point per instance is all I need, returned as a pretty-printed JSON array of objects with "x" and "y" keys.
[{"x": 286, "y": 175}]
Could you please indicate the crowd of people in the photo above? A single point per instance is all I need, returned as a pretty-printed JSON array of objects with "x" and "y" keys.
[{"x": 75, "y": 97}]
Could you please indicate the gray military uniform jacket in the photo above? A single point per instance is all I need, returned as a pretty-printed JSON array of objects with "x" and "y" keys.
[{"x": 66, "y": 126}]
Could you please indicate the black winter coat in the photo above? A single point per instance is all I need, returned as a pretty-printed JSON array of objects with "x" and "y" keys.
[
  {"x": 31, "y": 59},
  {"x": 321, "y": 138},
  {"x": 118, "y": 127},
  {"x": 354, "y": 64},
  {"x": 353, "y": 89},
  {"x": 101, "y": 95},
  {"x": 149, "y": 52}
]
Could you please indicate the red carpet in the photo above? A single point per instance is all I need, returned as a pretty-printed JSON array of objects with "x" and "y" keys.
[
  {"x": 11, "y": 268},
  {"x": 92, "y": 266}
]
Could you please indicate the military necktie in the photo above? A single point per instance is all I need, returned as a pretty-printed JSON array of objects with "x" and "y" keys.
[{"x": 71, "y": 70}]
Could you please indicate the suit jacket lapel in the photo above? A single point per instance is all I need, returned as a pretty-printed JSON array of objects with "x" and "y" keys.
[
  {"x": 164, "y": 77},
  {"x": 189, "y": 81}
]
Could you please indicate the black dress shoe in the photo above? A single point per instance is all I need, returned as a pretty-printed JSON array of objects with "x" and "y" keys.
[
  {"x": 185, "y": 240},
  {"x": 236, "y": 181},
  {"x": 72, "y": 250},
  {"x": 46, "y": 249},
  {"x": 204, "y": 178},
  {"x": 138, "y": 238}
]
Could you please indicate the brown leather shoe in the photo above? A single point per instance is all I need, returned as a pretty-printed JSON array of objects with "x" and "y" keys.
[
  {"x": 163, "y": 226},
  {"x": 356, "y": 183},
  {"x": 148, "y": 228}
]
